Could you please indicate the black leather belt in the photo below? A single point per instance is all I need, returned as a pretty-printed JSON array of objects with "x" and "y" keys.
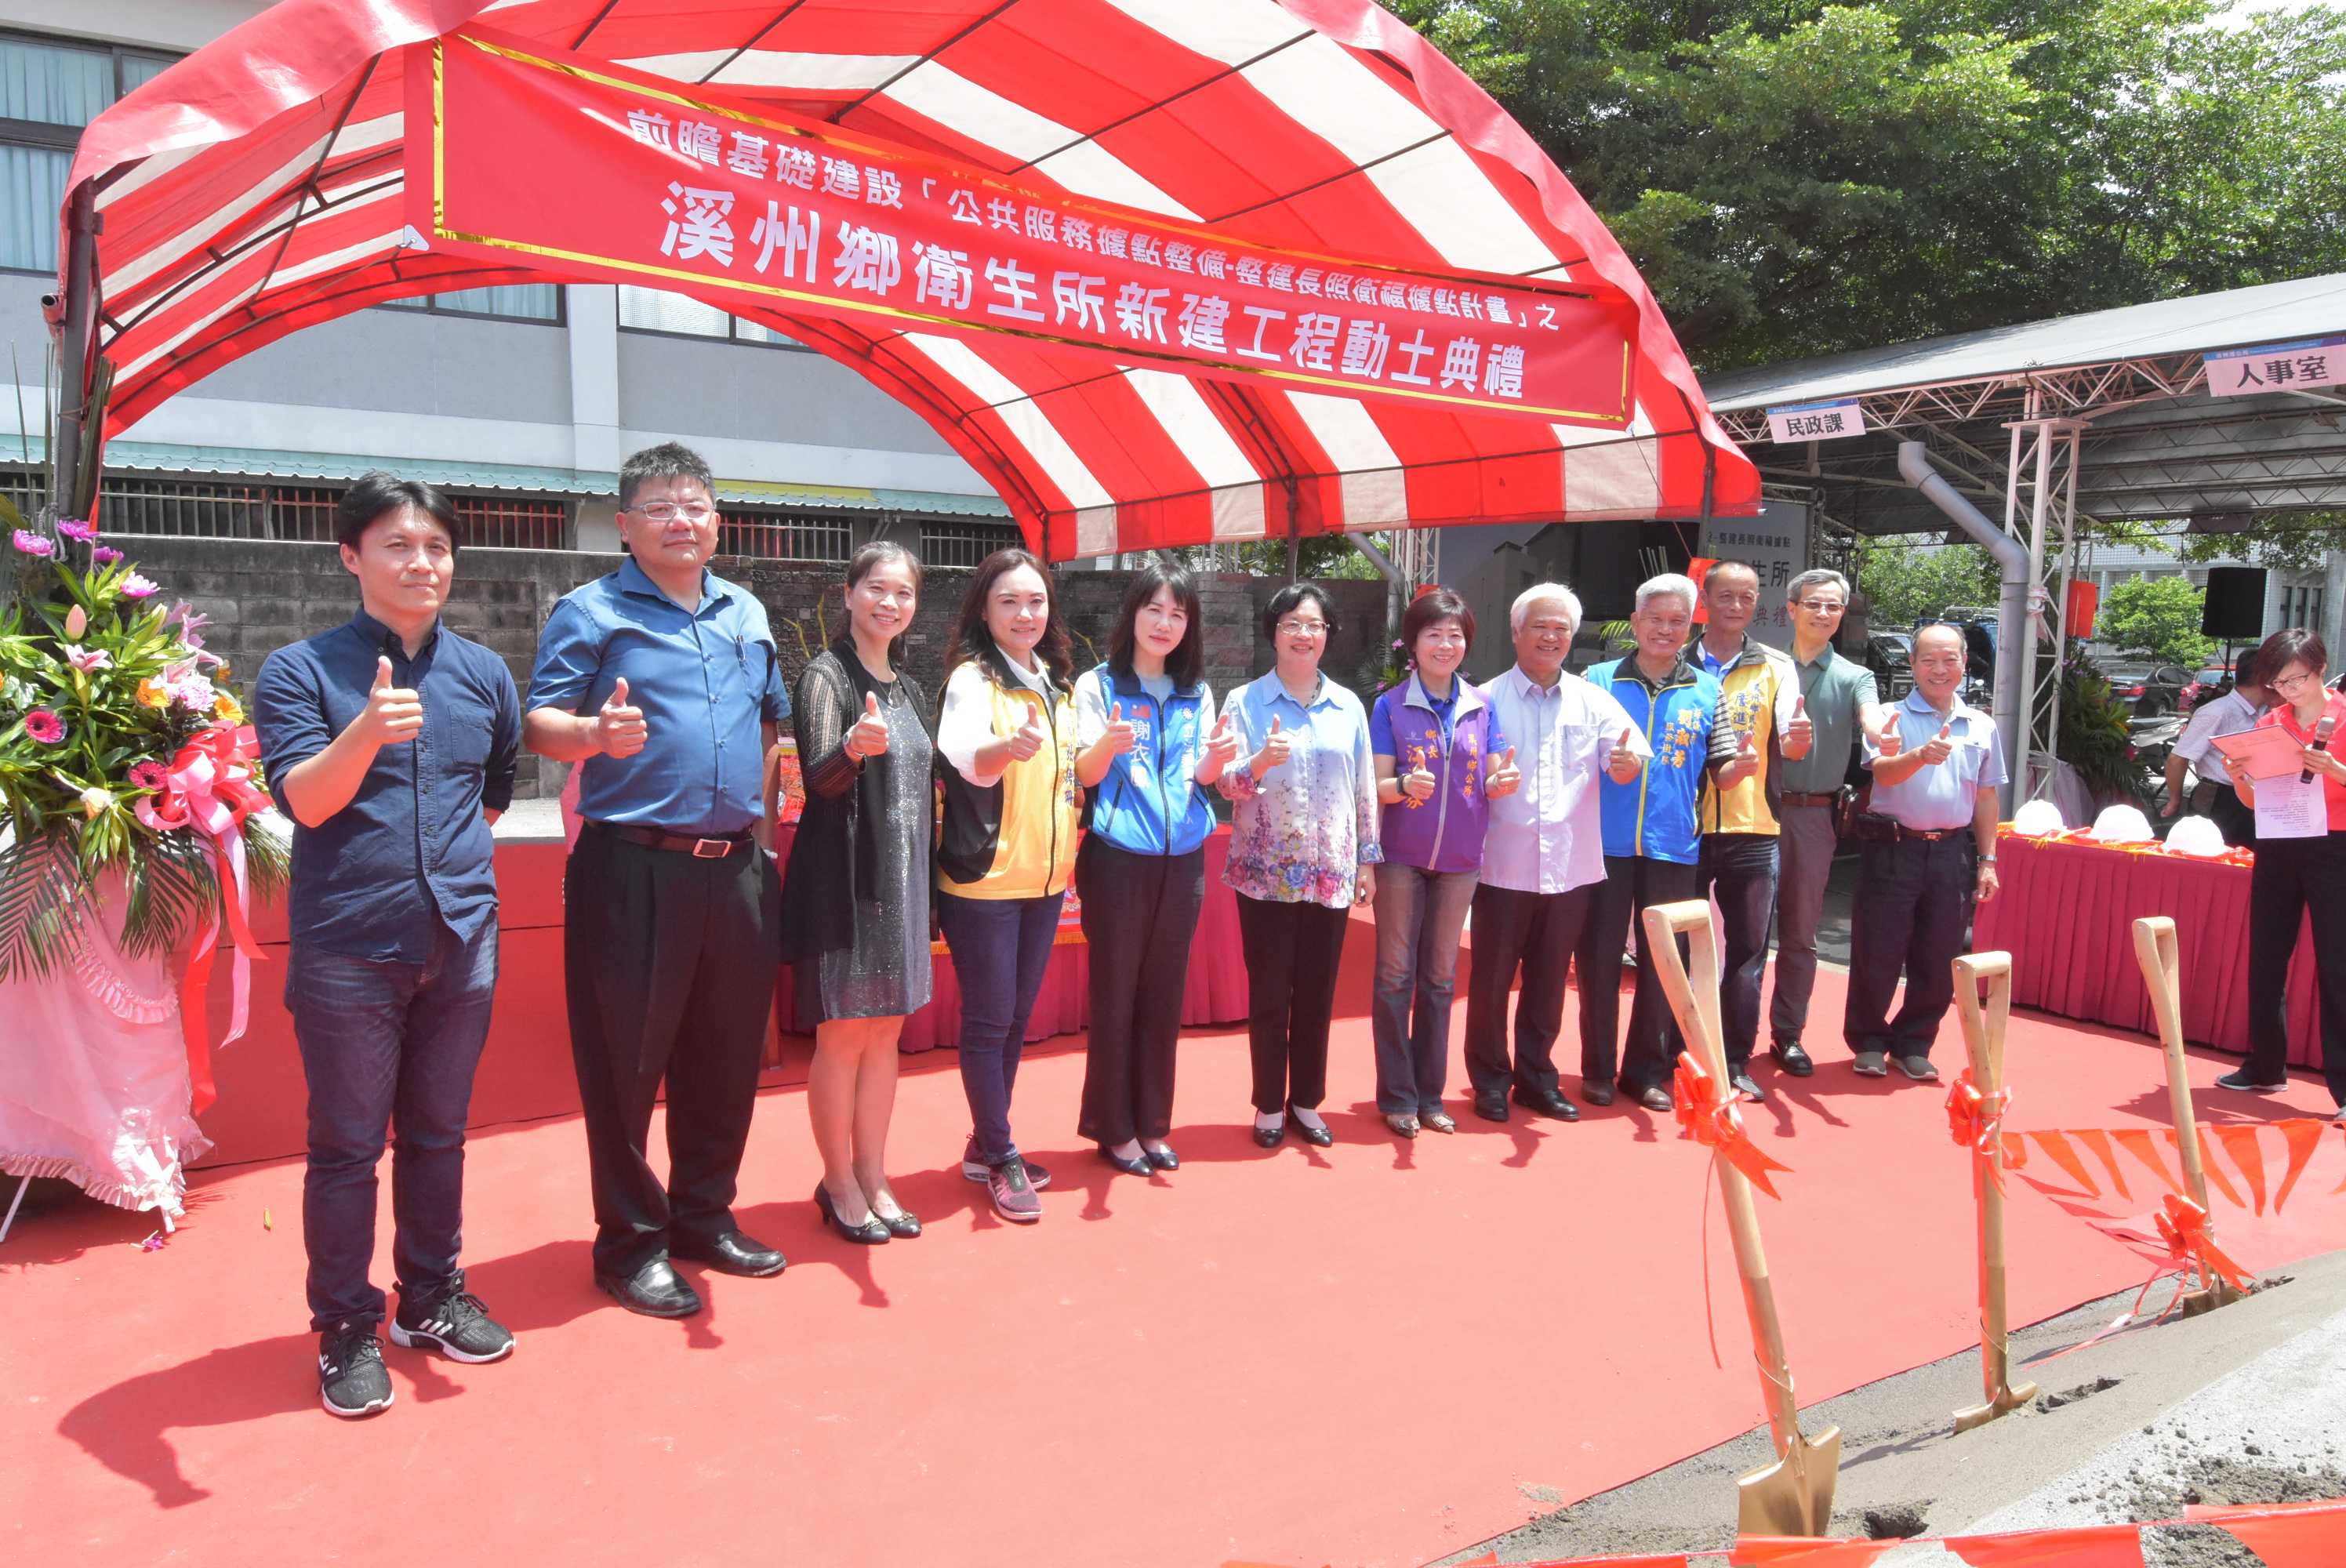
[
  {"x": 678, "y": 843},
  {"x": 1797, "y": 798}
]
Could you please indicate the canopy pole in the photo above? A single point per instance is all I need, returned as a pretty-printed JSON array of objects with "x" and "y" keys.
[{"x": 73, "y": 348}]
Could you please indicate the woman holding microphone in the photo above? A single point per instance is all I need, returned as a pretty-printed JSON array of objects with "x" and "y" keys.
[
  {"x": 1150, "y": 744},
  {"x": 2297, "y": 874},
  {"x": 1303, "y": 847},
  {"x": 856, "y": 917},
  {"x": 1007, "y": 731}
]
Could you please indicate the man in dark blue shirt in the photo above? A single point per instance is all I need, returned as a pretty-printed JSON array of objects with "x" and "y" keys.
[
  {"x": 662, "y": 682},
  {"x": 391, "y": 742}
]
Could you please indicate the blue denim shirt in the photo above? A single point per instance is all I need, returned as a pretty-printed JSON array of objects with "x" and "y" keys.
[
  {"x": 704, "y": 680},
  {"x": 412, "y": 850}
]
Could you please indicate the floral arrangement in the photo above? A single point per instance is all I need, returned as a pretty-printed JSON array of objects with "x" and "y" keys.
[{"x": 123, "y": 749}]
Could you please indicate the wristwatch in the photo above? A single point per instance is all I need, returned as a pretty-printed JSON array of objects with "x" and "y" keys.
[{"x": 1987, "y": 859}]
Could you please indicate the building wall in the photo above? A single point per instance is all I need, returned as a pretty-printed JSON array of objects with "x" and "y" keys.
[{"x": 262, "y": 594}]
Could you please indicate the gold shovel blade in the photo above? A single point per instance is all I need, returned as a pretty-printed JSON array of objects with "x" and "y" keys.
[
  {"x": 2005, "y": 1403},
  {"x": 1794, "y": 1495}
]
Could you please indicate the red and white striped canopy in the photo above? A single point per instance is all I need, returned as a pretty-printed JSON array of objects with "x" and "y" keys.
[{"x": 258, "y": 187}]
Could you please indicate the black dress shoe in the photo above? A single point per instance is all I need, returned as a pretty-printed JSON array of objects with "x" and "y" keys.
[
  {"x": 1595, "y": 1091},
  {"x": 1163, "y": 1159},
  {"x": 1547, "y": 1103},
  {"x": 1491, "y": 1104},
  {"x": 1268, "y": 1137},
  {"x": 1743, "y": 1085},
  {"x": 1318, "y": 1137},
  {"x": 653, "y": 1290},
  {"x": 903, "y": 1224},
  {"x": 1657, "y": 1099},
  {"x": 1791, "y": 1058},
  {"x": 870, "y": 1233},
  {"x": 731, "y": 1253},
  {"x": 1139, "y": 1166}
]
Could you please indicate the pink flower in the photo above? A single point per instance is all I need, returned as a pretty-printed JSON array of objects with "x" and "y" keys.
[
  {"x": 33, "y": 543},
  {"x": 104, "y": 555},
  {"x": 88, "y": 659},
  {"x": 147, "y": 775},
  {"x": 82, "y": 533},
  {"x": 138, "y": 587},
  {"x": 44, "y": 727},
  {"x": 77, "y": 621}
]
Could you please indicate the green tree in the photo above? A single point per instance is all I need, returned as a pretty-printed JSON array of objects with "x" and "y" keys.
[
  {"x": 2156, "y": 617},
  {"x": 1796, "y": 177},
  {"x": 1905, "y": 580},
  {"x": 2290, "y": 542}
]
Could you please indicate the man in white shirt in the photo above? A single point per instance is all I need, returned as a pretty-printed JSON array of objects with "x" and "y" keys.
[
  {"x": 2230, "y": 714},
  {"x": 1542, "y": 855}
]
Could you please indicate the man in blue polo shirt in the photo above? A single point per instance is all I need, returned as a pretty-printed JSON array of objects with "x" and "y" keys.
[
  {"x": 1928, "y": 849},
  {"x": 662, "y": 682},
  {"x": 1651, "y": 847},
  {"x": 391, "y": 742}
]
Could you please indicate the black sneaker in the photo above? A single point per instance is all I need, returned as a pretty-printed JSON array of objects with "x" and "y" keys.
[
  {"x": 350, "y": 1379},
  {"x": 455, "y": 1325},
  {"x": 2243, "y": 1082}
]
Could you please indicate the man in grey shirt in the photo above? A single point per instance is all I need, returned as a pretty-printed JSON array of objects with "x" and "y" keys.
[{"x": 1839, "y": 696}]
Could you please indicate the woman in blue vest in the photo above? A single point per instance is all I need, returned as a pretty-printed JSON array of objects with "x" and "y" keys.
[
  {"x": 1145, "y": 724},
  {"x": 1440, "y": 759}
]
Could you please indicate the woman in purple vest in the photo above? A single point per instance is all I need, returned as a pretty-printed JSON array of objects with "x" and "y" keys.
[{"x": 1440, "y": 761}]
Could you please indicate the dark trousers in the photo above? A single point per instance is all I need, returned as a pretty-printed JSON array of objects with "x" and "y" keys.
[
  {"x": 387, "y": 1045},
  {"x": 1739, "y": 870},
  {"x": 668, "y": 963},
  {"x": 1140, "y": 912},
  {"x": 1291, "y": 954},
  {"x": 1803, "y": 865},
  {"x": 1001, "y": 948},
  {"x": 1537, "y": 934},
  {"x": 1632, "y": 883},
  {"x": 2236, "y": 822},
  {"x": 2293, "y": 878},
  {"x": 1912, "y": 909}
]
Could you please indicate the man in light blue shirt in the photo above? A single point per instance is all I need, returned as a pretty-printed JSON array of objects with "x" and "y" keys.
[
  {"x": 663, "y": 683},
  {"x": 1928, "y": 850}
]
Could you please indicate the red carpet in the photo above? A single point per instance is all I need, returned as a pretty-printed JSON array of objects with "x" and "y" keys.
[{"x": 1368, "y": 1356}]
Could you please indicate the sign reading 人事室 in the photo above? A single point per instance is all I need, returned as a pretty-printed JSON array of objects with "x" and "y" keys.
[
  {"x": 518, "y": 154},
  {"x": 1815, "y": 421},
  {"x": 2277, "y": 367}
]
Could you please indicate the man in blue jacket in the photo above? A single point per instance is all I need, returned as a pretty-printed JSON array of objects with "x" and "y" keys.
[{"x": 1652, "y": 848}]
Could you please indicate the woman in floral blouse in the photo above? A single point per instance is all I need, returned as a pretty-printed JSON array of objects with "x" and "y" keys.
[{"x": 1303, "y": 837}]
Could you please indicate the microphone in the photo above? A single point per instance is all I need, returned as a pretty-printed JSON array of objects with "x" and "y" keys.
[{"x": 2321, "y": 742}]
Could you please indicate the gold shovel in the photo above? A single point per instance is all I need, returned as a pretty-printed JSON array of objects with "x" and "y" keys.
[
  {"x": 1794, "y": 1495},
  {"x": 1983, "y": 1032},
  {"x": 2154, "y": 949}
]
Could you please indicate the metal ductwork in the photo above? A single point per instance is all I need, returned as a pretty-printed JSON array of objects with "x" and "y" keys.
[{"x": 2015, "y": 637}]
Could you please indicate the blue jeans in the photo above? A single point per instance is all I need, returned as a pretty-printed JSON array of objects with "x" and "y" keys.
[
  {"x": 1419, "y": 916},
  {"x": 1000, "y": 949},
  {"x": 385, "y": 1043}
]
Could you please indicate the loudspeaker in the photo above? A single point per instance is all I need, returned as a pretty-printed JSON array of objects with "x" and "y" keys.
[{"x": 2235, "y": 607}]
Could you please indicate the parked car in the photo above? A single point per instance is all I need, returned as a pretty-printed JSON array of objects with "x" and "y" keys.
[
  {"x": 1889, "y": 656},
  {"x": 2148, "y": 688}
]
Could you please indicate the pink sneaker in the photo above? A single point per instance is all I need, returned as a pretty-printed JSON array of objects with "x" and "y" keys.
[{"x": 1013, "y": 1193}]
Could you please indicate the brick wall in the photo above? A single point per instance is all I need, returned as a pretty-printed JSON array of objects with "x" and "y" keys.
[{"x": 264, "y": 594}]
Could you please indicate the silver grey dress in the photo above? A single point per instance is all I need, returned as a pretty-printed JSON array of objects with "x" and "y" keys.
[{"x": 880, "y": 886}]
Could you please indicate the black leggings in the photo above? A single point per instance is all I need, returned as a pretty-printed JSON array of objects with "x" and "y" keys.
[{"x": 2294, "y": 877}]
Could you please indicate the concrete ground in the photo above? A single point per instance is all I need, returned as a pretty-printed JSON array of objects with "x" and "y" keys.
[{"x": 2244, "y": 1404}]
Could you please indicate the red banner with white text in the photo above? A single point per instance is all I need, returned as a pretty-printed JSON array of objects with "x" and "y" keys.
[{"x": 515, "y": 151}]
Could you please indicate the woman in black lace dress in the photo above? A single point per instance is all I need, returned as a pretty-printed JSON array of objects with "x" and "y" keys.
[{"x": 855, "y": 902}]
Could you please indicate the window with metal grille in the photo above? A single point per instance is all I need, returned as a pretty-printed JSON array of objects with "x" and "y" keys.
[
  {"x": 965, "y": 544},
  {"x": 217, "y": 509},
  {"x": 512, "y": 522},
  {"x": 782, "y": 535}
]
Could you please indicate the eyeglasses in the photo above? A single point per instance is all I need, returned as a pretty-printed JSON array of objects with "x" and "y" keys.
[
  {"x": 2292, "y": 682},
  {"x": 1303, "y": 628},
  {"x": 1823, "y": 607},
  {"x": 668, "y": 512}
]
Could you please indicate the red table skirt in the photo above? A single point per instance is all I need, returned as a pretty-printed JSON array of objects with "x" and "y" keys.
[
  {"x": 2067, "y": 915},
  {"x": 1216, "y": 992}
]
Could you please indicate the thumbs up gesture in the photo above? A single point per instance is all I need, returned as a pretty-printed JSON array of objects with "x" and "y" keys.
[
  {"x": 870, "y": 736},
  {"x": 1746, "y": 763},
  {"x": 1222, "y": 744},
  {"x": 1799, "y": 732},
  {"x": 1889, "y": 741},
  {"x": 1504, "y": 779},
  {"x": 619, "y": 729},
  {"x": 1274, "y": 751},
  {"x": 1623, "y": 766},
  {"x": 393, "y": 713},
  {"x": 1939, "y": 747},
  {"x": 1118, "y": 735},
  {"x": 1028, "y": 738},
  {"x": 1418, "y": 783}
]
